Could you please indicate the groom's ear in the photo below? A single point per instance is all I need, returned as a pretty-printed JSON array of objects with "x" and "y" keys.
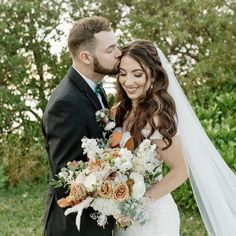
[{"x": 85, "y": 57}]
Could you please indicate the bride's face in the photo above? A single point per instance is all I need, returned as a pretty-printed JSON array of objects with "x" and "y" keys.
[{"x": 133, "y": 78}]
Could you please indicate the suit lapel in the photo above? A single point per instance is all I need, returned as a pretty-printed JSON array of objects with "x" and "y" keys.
[
  {"x": 104, "y": 100},
  {"x": 84, "y": 87}
]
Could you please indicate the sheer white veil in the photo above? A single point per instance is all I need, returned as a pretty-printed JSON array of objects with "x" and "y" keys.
[{"x": 212, "y": 181}]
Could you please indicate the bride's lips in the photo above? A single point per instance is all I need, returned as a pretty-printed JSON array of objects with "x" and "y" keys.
[{"x": 131, "y": 89}]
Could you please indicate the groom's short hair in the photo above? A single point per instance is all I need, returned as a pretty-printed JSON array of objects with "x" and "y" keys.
[{"x": 81, "y": 35}]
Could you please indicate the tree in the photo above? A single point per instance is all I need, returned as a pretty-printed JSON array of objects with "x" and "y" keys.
[
  {"x": 28, "y": 70},
  {"x": 28, "y": 73}
]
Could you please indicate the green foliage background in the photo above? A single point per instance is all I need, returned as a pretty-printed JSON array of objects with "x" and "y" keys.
[{"x": 197, "y": 36}]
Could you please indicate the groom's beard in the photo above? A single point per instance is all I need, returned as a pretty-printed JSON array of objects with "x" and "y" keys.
[{"x": 98, "y": 68}]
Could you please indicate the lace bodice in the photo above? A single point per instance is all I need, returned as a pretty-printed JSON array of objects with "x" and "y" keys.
[
  {"x": 156, "y": 135},
  {"x": 126, "y": 135}
]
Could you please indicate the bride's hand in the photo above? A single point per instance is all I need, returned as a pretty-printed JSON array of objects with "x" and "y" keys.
[
  {"x": 148, "y": 195},
  {"x": 122, "y": 220}
]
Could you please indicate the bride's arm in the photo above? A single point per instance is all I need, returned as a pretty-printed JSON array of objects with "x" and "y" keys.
[{"x": 173, "y": 157}]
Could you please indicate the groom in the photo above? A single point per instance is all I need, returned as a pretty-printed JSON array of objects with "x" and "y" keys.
[{"x": 70, "y": 115}]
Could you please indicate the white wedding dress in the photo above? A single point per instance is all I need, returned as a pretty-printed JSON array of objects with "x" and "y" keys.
[{"x": 163, "y": 213}]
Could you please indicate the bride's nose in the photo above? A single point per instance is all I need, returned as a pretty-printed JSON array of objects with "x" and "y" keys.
[{"x": 129, "y": 80}]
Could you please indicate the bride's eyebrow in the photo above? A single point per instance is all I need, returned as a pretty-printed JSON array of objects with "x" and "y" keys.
[
  {"x": 138, "y": 70},
  {"x": 135, "y": 70}
]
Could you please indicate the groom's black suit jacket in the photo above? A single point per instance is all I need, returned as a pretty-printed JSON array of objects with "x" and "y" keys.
[{"x": 68, "y": 117}]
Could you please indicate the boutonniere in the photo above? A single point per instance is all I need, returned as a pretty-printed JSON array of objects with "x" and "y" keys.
[{"x": 106, "y": 119}]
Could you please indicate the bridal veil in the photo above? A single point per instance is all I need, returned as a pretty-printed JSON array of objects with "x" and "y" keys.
[{"x": 212, "y": 181}]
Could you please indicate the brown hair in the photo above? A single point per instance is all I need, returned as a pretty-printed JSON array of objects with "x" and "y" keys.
[
  {"x": 82, "y": 33},
  {"x": 156, "y": 107}
]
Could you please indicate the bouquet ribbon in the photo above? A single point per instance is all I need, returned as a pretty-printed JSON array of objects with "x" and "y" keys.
[{"x": 79, "y": 209}]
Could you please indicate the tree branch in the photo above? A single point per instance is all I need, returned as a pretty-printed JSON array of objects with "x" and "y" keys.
[{"x": 34, "y": 113}]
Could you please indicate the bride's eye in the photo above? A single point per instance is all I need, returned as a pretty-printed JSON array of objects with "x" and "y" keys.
[
  {"x": 138, "y": 75},
  {"x": 122, "y": 74}
]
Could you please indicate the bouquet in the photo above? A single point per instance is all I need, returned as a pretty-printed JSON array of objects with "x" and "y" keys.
[{"x": 113, "y": 182}]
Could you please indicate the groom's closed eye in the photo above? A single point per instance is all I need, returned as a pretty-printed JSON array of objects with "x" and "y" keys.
[{"x": 111, "y": 48}]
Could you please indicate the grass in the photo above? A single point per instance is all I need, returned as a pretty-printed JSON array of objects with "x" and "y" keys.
[
  {"x": 191, "y": 224},
  {"x": 22, "y": 209}
]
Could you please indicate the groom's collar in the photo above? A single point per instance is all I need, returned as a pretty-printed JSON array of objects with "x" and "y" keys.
[
  {"x": 91, "y": 84},
  {"x": 80, "y": 82}
]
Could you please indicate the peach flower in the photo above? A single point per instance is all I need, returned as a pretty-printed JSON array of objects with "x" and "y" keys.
[
  {"x": 96, "y": 165},
  {"x": 106, "y": 190},
  {"x": 65, "y": 202},
  {"x": 120, "y": 192},
  {"x": 78, "y": 191}
]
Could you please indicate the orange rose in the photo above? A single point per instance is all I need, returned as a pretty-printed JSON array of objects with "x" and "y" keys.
[
  {"x": 65, "y": 202},
  {"x": 106, "y": 190},
  {"x": 78, "y": 192},
  {"x": 120, "y": 192},
  {"x": 96, "y": 165}
]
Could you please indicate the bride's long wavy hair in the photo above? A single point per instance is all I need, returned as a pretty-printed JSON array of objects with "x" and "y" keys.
[{"x": 155, "y": 108}]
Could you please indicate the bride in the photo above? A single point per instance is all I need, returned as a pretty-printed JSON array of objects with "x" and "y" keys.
[{"x": 152, "y": 105}]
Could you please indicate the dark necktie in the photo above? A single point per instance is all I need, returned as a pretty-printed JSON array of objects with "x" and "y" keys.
[{"x": 100, "y": 90}]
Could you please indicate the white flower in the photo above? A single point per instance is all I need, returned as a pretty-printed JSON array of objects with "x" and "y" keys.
[
  {"x": 120, "y": 178},
  {"x": 124, "y": 161},
  {"x": 80, "y": 178},
  {"x": 109, "y": 126},
  {"x": 138, "y": 189},
  {"x": 125, "y": 154},
  {"x": 97, "y": 113},
  {"x": 90, "y": 182},
  {"x": 139, "y": 165},
  {"x": 102, "y": 114},
  {"x": 70, "y": 177},
  {"x": 105, "y": 206},
  {"x": 106, "y": 170},
  {"x": 148, "y": 154},
  {"x": 63, "y": 174},
  {"x": 146, "y": 146},
  {"x": 123, "y": 165},
  {"x": 90, "y": 147}
]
